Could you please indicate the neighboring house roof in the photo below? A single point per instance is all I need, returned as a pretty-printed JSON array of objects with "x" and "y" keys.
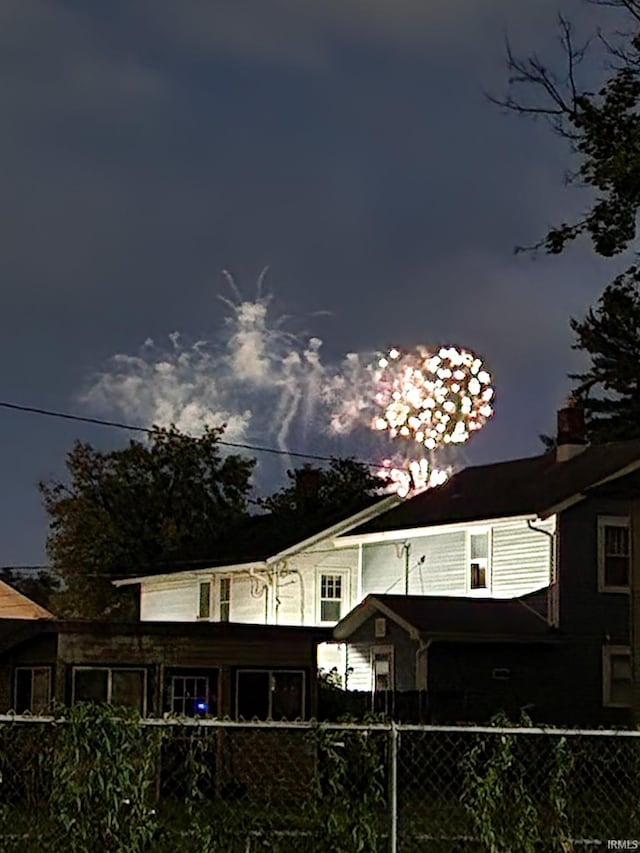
[
  {"x": 538, "y": 486},
  {"x": 268, "y": 538},
  {"x": 431, "y": 617},
  {"x": 15, "y": 605}
]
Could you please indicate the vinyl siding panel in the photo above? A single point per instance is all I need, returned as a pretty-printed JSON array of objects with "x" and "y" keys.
[
  {"x": 358, "y": 666},
  {"x": 173, "y": 602},
  {"x": 521, "y": 558},
  {"x": 436, "y": 566}
]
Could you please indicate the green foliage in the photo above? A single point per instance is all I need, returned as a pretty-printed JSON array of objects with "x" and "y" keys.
[
  {"x": 601, "y": 128},
  {"x": 129, "y": 509},
  {"x": 610, "y": 334},
  {"x": 40, "y": 587},
  {"x": 351, "y": 796},
  {"x": 344, "y": 487},
  {"x": 504, "y": 805},
  {"x": 102, "y": 788}
]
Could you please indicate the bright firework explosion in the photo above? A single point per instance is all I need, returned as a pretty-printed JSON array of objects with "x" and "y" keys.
[{"x": 432, "y": 399}]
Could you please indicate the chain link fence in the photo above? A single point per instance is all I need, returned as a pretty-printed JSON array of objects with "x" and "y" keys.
[{"x": 94, "y": 780}]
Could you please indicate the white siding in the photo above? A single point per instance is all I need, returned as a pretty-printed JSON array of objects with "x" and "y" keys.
[
  {"x": 438, "y": 563},
  {"x": 521, "y": 558},
  {"x": 436, "y": 566},
  {"x": 176, "y": 601},
  {"x": 358, "y": 667}
]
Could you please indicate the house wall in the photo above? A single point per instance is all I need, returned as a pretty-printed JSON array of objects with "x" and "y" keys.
[
  {"x": 358, "y": 656},
  {"x": 297, "y": 598},
  {"x": 520, "y": 561}
]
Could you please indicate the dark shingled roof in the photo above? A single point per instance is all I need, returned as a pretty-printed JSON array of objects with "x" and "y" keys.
[
  {"x": 503, "y": 489},
  {"x": 445, "y": 617}
]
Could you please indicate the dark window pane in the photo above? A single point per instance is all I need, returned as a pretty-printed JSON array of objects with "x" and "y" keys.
[
  {"x": 329, "y": 611},
  {"x": 478, "y": 576},
  {"x": 616, "y": 571},
  {"x": 127, "y": 689},
  {"x": 23, "y": 691},
  {"x": 91, "y": 685},
  {"x": 41, "y": 690},
  {"x": 204, "y": 605},
  {"x": 286, "y": 700},
  {"x": 253, "y": 695}
]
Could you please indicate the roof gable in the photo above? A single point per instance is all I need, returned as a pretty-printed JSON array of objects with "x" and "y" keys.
[
  {"x": 15, "y": 605},
  {"x": 449, "y": 618}
]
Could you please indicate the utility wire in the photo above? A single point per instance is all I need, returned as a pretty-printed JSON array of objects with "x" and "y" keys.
[{"x": 34, "y": 410}]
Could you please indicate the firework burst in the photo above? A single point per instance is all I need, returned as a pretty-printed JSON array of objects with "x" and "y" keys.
[{"x": 431, "y": 399}]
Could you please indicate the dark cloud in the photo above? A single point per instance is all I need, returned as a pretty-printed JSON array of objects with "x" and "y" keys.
[{"x": 347, "y": 144}]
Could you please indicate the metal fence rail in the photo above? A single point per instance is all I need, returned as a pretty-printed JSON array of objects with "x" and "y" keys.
[{"x": 96, "y": 780}]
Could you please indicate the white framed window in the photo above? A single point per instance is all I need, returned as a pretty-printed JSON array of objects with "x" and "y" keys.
[
  {"x": 332, "y": 595},
  {"x": 120, "y": 686},
  {"x": 270, "y": 694},
  {"x": 617, "y": 676},
  {"x": 380, "y": 628},
  {"x": 224, "y": 599},
  {"x": 479, "y": 560},
  {"x": 32, "y": 689},
  {"x": 382, "y": 669},
  {"x": 204, "y": 600},
  {"x": 614, "y": 553}
]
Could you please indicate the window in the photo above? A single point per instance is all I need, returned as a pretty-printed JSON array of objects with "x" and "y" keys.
[
  {"x": 331, "y": 597},
  {"x": 32, "y": 689},
  {"x": 614, "y": 553},
  {"x": 224, "y": 599},
  {"x": 270, "y": 694},
  {"x": 382, "y": 668},
  {"x": 189, "y": 695},
  {"x": 122, "y": 687},
  {"x": 380, "y": 627},
  {"x": 204, "y": 600},
  {"x": 617, "y": 677},
  {"x": 479, "y": 560}
]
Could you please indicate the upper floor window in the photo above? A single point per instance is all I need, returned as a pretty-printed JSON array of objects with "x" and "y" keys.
[
  {"x": 614, "y": 553},
  {"x": 224, "y": 599},
  {"x": 204, "y": 600},
  {"x": 479, "y": 564},
  {"x": 332, "y": 589},
  {"x": 617, "y": 680}
]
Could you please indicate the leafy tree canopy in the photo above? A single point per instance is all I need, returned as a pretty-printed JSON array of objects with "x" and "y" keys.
[
  {"x": 601, "y": 128},
  {"x": 125, "y": 509},
  {"x": 610, "y": 334},
  {"x": 344, "y": 487}
]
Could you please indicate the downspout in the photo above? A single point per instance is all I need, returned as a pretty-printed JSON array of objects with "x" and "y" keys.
[
  {"x": 406, "y": 547},
  {"x": 553, "y": 611}
]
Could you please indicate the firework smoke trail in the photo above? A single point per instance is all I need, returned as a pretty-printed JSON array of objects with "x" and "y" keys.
[{"x": 266, "y": 383}]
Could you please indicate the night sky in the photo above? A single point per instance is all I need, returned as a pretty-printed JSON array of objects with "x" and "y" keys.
[{"x": 147, "y": 145}]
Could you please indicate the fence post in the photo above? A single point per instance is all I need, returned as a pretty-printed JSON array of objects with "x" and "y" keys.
[{"x": 393, "y": 788}]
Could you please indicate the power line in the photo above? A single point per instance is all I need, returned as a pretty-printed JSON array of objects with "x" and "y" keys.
[{"x": 34, "y": 410}]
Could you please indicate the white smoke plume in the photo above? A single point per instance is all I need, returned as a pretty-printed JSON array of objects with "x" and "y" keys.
[{"x": 268, "y": 385}]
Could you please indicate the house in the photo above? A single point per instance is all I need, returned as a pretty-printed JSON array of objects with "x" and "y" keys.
[
  {"x": 445, "y": 659},
  {"x": 266, "y": 572},
  {"x": 564, "y": 525},
  {"x": 15, "y": 605},
  {"x": 215, "y": 669}
]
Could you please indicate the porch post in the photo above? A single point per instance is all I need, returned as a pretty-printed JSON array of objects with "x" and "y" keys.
[{"x": 393, "y": 788}]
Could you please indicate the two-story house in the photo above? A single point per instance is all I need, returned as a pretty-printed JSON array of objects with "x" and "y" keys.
[
  {"x": 556, "y": 532},
  {"x": 265, "y": 572}
]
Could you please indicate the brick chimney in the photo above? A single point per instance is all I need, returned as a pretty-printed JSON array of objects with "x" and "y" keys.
[
  {"x": 307, "y": 488},
  {"x": 572, "y": 432}
]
